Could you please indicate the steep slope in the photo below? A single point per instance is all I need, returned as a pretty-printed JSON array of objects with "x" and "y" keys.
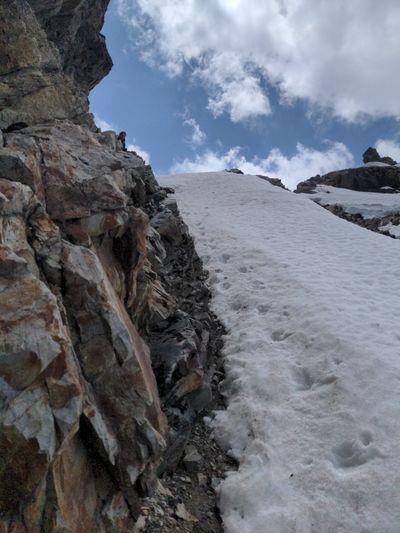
[
  {"x": 106, "y": 338},
  {"x": 367, "y": 196},
  {"x": 310, "y": 302}
]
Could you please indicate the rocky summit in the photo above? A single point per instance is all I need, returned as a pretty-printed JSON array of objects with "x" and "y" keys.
[{"x": 107, "y": 343}]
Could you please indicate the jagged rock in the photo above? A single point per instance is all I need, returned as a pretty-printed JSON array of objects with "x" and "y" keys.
[
  {"x": 371, "y": 155},
  {"x": 192, "y": 459},
  {"x": 273, "y": 181},
  {"x": 51, "y": 54},
  {"x": 234, "y": 170},
  {"x": 106, "y": 334},
  {"x": 369, "y": 179}
]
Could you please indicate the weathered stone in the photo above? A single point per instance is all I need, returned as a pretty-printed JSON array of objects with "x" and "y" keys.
[
  {"x": 105, "y": 330},
  {"x": 369, "y": 179},
  {"x": 273, "y": 181},
  {"x": 192, "y": 459},
  {"x": 371, "y": 155},
  {"x": 50, "y": 56}
]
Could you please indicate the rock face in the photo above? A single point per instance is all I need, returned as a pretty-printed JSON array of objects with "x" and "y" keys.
[
  {"x": 371, "y": 155},
  {"x": 106, "y": 338},
  {"x": 370, "y": 179},
  {"x": 51, "y": 54}
]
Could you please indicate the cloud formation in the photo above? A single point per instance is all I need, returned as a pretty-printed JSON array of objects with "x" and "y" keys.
[
  {"x": 306, "y": 162},
  {"x": 103, "y": 124},
  {"x": 338, "y": 56},
  {"x": 388, "y": 147},
  {"x": 197, "y": 136}
]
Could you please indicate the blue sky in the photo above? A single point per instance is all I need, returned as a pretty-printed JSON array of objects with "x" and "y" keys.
[{"x": 283, "y": 89}]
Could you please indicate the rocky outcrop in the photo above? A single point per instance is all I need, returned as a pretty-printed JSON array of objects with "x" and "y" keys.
[
  {"x": 371, "y": 155},
  {"x": 106, "y": 341},
  {"x": 382, "y": 179},
  {"x": 273, "y": 181},
  {"x": 377, "y": 224},
  {"x": 51, "y": 54}
]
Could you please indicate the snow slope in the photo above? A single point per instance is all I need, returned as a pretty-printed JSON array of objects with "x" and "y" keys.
[
  {"x": 312, "y": 358},
  {"x": 367, "y": 204}
]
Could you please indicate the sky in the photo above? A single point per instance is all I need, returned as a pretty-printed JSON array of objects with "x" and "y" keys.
[{"x": 284, "y": 88}]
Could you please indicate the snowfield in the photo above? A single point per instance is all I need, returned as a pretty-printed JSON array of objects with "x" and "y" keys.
[
  {"x": 312, "y": 358},
  {"x": 367, "y": 204}
]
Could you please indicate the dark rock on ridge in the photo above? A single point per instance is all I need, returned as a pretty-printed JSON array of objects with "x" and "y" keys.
[
  {"x": 378, "y": 179},
  {"x": 273, "y": 181},
  {"x": 234, "y": 171},
  {"x": 377, "y": 224},
  {"x": 107, "y": 343},
  {"x": 371, "y": 155},
  {"x": 369, "y": 179}
]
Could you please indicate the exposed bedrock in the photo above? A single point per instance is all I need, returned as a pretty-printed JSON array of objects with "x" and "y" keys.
[
  {"x": 51, "y": 55},
  {"x": 107, "y": 342},
  {"x": 368, "y": 178}
]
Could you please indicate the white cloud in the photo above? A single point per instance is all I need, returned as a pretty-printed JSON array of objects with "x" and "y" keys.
[
  {"x": 135, "y": 148},
  {"x": 340, "y": 55},
  {"x": 388, "y": 147},
  {"x": 103, "y": 124},
  {"x": 197, "y": 136},
  {"x": 306, "y": 162}
]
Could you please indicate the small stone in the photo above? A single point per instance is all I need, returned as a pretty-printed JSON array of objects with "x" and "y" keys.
[
  {"x": 183, "y": 513},
  {"x": 192, "y": 459},
  {"x": 215, "y": 482},
  {"x": 141, "y": 523},
  {"x": 202, "y": 479}
]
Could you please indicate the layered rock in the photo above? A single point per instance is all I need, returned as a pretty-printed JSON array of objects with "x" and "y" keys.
[
  {"x": 106, "y": 338},
  {"x": 369, "y": 179},
  {"x": 51, "y": 54}
]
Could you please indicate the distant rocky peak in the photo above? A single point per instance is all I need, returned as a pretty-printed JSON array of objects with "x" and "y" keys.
[{"x": 371, "y": 155}]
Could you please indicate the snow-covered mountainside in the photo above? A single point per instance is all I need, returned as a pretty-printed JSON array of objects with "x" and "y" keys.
[
  {"x": 373, "y": 210},
  {"x": 312, "y": 358}
]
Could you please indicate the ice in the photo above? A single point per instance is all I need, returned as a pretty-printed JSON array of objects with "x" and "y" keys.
[
  {"x": 367, "y": 204},
  {"x": 312, "y": 358}
]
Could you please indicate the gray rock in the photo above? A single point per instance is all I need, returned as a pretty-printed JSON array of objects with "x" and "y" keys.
[
  {"x": 371, "y": 155},
  {"x": 192, "y": 460},
  {"x": 108, "y": 138},
  {"x": 51, "y": 55}
]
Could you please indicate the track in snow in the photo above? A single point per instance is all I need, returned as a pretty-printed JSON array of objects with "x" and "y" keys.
[{"x": 312, "y": 358}]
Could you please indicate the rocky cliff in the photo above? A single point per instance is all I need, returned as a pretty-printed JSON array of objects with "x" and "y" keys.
[{"x": 106, "y": 339}]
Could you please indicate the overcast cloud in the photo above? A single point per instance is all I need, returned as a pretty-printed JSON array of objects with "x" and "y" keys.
[
  {"x": 306, "y": 162},
  {"x": 341, "y": 55}
]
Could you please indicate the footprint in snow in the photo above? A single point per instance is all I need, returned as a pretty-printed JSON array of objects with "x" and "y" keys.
[
  {"x": 263, "y": 309},
  {"x": 306, "y": 381},
  {"x": 280, "y": 335},
  {"x": 355, "y": 452}
]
